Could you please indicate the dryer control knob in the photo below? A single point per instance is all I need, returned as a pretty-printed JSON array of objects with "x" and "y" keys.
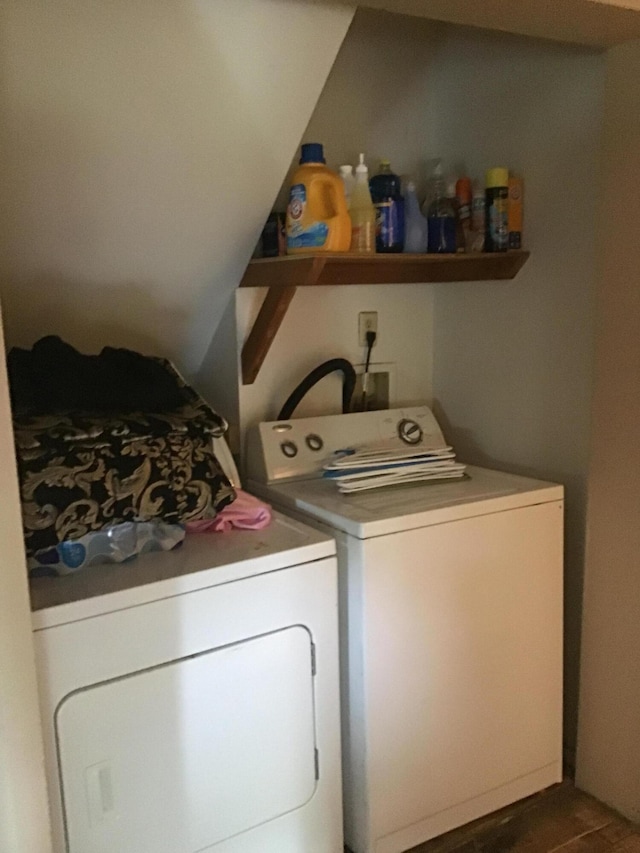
[
  {"x": 410, "y": 432},
  {"x": 314, "y": 442},
  {"x": 289, "y": 449}
]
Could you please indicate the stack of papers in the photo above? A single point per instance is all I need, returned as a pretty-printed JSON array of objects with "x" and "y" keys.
[{"x": 356, "y": 470}]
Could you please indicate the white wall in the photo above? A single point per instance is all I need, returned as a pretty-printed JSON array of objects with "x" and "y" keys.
[
  {"x": 609, "y": 732},
  {"x": 322, "y": 323},
  {"x": 380, "y": 98},
  {"x": 513, "y": 361},
  {"x": 24, "y": 810},
  {"x": 143, "y": 143}
]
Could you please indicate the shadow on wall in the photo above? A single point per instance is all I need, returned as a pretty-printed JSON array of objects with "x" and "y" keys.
[{"x": 126, "y": 314}]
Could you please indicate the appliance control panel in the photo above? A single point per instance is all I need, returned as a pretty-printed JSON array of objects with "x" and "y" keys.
[{"x": 298, "y": 448}]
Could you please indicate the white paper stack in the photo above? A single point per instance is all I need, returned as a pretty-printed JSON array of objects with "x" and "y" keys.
[{"x": 377, "y": 466}]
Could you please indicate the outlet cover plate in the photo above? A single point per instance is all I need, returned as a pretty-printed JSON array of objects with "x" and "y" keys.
[
  {"x": 367, "y": 322},
  {"x": 388, "y": 367}
]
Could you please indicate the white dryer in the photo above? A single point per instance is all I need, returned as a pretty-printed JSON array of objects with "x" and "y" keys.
[
  {"x": 190, "y": 699},
  {"x": 451, "y": 629}
]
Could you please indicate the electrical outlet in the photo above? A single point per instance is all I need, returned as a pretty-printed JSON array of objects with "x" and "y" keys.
[{"x": 367, "y": 322}]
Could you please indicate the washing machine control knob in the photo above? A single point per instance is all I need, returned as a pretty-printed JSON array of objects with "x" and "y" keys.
[
  {"x": 314, "y": 442},
  {"x": 289, "y": 449},
  {"x": 409, "y": 431}
]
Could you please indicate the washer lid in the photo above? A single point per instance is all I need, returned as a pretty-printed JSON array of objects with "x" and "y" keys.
[
  {"x": 398, "y": 508},
  {"x": 203, "y": 560}
]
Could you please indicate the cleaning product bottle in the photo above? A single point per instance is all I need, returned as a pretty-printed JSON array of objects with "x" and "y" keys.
[
  {"x": 346, "y": 174},
  {"x": 389, "y": 204},
  {"x": 363, "y": 213},
  {"x": 478, "y": 218},
  {"x": 416, "y": 229},
  {"x": 516, "y": 193},
  {"x": 464, "y": 196},
  {"x": 453, "y": 199},
  {"x": 317, "y": 215},
  {"x": 441, "y": 217},
  {"x": 497, "y": 199}
]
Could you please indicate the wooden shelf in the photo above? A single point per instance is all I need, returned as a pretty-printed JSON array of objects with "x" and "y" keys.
[{"x": 285, "y": 274}]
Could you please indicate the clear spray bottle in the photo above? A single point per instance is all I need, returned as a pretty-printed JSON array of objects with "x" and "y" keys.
[
  {"x": 416, "y": 230},
  {"x": 362, "y": 212}
]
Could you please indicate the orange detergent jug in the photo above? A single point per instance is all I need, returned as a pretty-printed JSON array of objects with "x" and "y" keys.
[{"x": 317, "y": 215}]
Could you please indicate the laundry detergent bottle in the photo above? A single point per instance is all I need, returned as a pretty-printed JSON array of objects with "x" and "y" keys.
[{"x": 317, "y": 215}]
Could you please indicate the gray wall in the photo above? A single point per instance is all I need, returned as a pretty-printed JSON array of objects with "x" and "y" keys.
[{"x": 609, "y": 733}]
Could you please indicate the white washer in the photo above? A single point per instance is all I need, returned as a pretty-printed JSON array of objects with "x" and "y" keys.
[
  {"x": 190, "y": 699},
  {"x": 451, "y": 630}
]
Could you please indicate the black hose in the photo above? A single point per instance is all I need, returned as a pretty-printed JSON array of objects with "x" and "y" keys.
[{"x": 318, "y": 373}]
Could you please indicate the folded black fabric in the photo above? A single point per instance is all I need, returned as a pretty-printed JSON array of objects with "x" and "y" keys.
[
  {"x": 92, "y": 484},
  {"x": 53, "y": 377},
  {"x": 81, "y": 472}
]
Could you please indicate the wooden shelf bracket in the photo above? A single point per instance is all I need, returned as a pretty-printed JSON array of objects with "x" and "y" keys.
[
  {"x": 264, "y": 330},
  {"x": 285, "y": 274}
]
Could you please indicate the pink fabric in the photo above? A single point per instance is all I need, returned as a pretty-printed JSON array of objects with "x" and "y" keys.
[{"x": 245, "y": 513}]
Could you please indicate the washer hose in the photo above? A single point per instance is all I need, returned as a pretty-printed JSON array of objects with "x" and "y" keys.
[{"x": 318, "y": 373}]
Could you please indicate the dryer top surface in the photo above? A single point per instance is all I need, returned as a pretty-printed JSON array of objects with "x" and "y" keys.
[{"x": 204, "y": 560}]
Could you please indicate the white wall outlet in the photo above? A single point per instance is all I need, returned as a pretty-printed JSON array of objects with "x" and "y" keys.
[{"x": 367, "y": 322}]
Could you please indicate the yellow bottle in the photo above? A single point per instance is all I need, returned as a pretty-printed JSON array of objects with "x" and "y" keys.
[
  {"x": 317, "y": 215},
  {"x": 363, "y": 213}
]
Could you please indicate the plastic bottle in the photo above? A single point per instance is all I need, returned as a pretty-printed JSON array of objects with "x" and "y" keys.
[
  {"x": 389, "y": 204},
  {"x": 478, "y": 218},
  {"x": 441, "y": 217},
  {"x": 416, "y": 229},
  {"x": 453, "y": 198},
  {"x": 464, "y": 196},
  {"x": 317, "y": 215},
  {"x": 363, "y": 213},
  {"x": 346, "y": 175},
  {"x": 516, "y": 194},
  {"x": 497, "y": 199}
]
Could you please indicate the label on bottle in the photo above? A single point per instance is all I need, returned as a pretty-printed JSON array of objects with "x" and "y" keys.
[
  {"x": 515, "y": 212},
  {"x": 497, "y": 220},
  {"x": 297, "y": 202},
  {"x": 301, "y": 235},
  {"x": 442, "y": 234},
  {"x": 389, "y": 225},
  {"x": 478, "y": 213},
  {"x": 314, "y": 236}
]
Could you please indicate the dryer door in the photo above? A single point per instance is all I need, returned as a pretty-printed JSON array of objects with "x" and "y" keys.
[{"x": 177, "y": 758}]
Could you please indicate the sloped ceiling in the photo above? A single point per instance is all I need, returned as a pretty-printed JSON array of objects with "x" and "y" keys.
[
  {"x": 143, "y": 146},
  {"x": 599, "y": 23}
]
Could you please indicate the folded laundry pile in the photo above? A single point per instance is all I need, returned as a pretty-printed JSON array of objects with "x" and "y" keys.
[{"x": 109, "y": 439}]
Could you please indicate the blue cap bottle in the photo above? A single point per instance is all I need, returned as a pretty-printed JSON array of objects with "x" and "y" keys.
[{"x": 312, "y": 152}]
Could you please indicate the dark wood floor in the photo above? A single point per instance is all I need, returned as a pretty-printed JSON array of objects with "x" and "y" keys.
[{"x": 560, "y": 819}]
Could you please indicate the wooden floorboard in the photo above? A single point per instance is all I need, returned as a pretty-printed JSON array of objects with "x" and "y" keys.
[{"x": 561, "y": 819}]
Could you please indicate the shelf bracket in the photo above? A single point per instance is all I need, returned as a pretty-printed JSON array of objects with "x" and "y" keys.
[
  {"x": 265, "y": 328},
  {"x": 283, "y": 275}
]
